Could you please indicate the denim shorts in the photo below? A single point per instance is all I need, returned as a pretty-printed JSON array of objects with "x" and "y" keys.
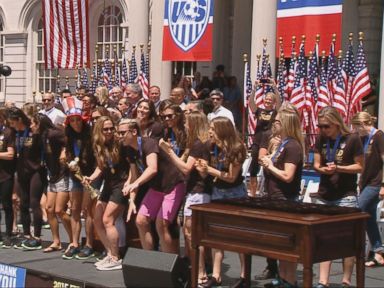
[
  {"x": 349, "y": 201},
  {"x": 60, "y": 186},
  {"x": 75, "y": 185},
  {"x": 229, "y": 193},
  {"x": 193, "y": 199}
]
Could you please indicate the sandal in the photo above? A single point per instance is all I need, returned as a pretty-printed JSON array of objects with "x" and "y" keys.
[
  {"x": 52, "y": 248},
  {"x": 202, "y": 280},
  {"x": 373, "y": 263}
]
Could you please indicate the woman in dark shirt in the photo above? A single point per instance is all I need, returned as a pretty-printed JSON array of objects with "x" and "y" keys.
[
  {"x": 371, "y": 180},
  {"x": 338, "y": 158},
  {"x": 7, "y": 171},
  {"x": 283, "y": 173},
  {"x": 265, "y": 113},
  {"x": 114, "y": 167},
  {"x": 198, "y": 191},
  {"x": 53, "y": 159},
  {"x": 224, "y": 167},
  {"x": 147, "y": 117},
  {"x": 31, "y": 177}
]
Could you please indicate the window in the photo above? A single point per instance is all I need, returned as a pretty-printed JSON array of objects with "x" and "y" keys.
[
  {"x": 109, "y": 33},
  {"x": 46, "y": 78}
]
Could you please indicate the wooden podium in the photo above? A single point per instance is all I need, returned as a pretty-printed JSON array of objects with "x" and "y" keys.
[{"x": 296, "y": 232}]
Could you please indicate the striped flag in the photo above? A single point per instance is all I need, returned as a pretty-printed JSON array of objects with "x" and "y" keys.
[
  {"x": 117, "y": 71},
  {"x": 339, "y": 101},
  {"x": 282, "y": 78},
  {"x": 132, "y": 69},
  {"x": 84, "y": 78},
  {"x": 124, "y": 73},
  {"x": 247, "y": 93},
  {"x": 349, "y": 74},
  {"x": 66, "y": 33},
  {"x": 361, "y": 86},
  {"x": 298, "y": 92},
  {"x": 94, "y": 79},
  {"x": 323, "y": 99},
  {"x": 143, "y": 81},
  {"x": 332, "y": 72},
  {"x": 107, "y": 73},
  {"x": 292, "y": 70}
]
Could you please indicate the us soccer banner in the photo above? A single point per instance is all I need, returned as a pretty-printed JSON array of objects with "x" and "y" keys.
[
  {"x": 309, "y": 17},
  {"x": 187, "y": 31}
]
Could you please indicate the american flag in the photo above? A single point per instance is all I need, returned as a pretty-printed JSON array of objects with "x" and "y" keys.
[
  {"x": 84, "y": 78},
  {"x": 332, "y": 72},
  {"x": 247, "y": 93},
  {"x": 147, "y": 67},
  {"x": 94, "y": 79},
  {"x": 66, "y": 33},
  {"x": 117, "y": 71},
  {"x": 339, "y": 101},
  {"x": 361, "y": 86},
  {"x": 323, "y": 99},
  {"x": 132, "y": 69},
  {"x": 107, "y": 73},
  {"x": 349, "y": 74},
  {"x": 292, "y": 70},
  {"x": 261, "y": 73},
  {"x": 282, "y": 78},
  {"x": 124, "y": 73},
  {"x": 298, "y": 92},
  {"x": 143, "y": 81}
]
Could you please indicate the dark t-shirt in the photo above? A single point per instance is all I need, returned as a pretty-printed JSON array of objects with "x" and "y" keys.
[
  {"x": 53, "y": 144},
  {"x": 339, "y": 185},
  {"x": 266, "y": 137},
  {"x": 28, "y": 151},
  {"x": 116, "y": 177},
  {"x": 373, "y": 168},
  {"x": 196, "y": 183},
  {"x": 7, "y": 167},
  {"x": 155, "y": 130},
  {"x": 264, "y": 120},
  {"x": 219, "y": 162},
  {"x": 292, "y": 152}
]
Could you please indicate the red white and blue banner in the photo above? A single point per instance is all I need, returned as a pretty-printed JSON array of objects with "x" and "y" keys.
[
  {"x": 309, "y": 17},
  {"x": 187, "y": 31}
]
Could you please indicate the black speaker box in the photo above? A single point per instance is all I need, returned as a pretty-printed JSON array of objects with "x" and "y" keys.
[{"x": 143, "y": 268}]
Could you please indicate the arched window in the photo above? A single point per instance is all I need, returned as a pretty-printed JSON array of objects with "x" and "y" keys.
[
  {"x": 46, "y": 78},
  {"x": 109, "y": 32}
]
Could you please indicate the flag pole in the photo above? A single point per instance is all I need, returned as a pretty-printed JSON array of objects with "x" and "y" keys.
[{"x": 245, "y": 104}]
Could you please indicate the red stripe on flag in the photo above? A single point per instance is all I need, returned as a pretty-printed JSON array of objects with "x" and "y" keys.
[
  {"x": 60, "y": 53},
  {"x": 51, "y": 37},
  {"x": 68, "y": 58},
  {"x": 79, "y": 8},
  {"x": 73, "y": 34}
]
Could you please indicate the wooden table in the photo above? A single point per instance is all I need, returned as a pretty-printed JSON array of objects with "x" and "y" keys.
[{"x": 305, "y": 238}]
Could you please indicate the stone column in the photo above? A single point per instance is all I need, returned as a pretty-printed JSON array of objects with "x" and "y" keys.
[
  {"x": 137, "y": 23},
  {"x": 17, "y": 89},
  {"x": 381, "y": 81},
  {"x": 263, "y": 26},
  {"x": 160, "y": 71}
]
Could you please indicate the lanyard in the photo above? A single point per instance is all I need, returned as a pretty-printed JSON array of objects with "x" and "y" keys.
[
  {"x": 175, "y": 147},
  {"x": 279, "y": 150},
  {"x": 332, "y": 155},
  {"x": 366, "y": 143},
  {"x": 111, "y": 166},
  {"x": 219, "y": 162},
  {"x": 20, "y": 141},
  {"x": 139, "y": 161},
  {"x": 76, "y": 150}
]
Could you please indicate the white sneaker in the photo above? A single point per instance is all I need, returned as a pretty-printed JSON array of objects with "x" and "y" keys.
[
  {"x": 101, "y": 262},
  {"x": 110, "y": 264}
]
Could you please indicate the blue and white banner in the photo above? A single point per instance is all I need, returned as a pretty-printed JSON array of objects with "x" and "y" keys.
[{"x": 12, "y": 277}]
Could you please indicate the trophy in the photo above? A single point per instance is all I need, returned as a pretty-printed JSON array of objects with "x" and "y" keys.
[{"x": 74, "y": 167}]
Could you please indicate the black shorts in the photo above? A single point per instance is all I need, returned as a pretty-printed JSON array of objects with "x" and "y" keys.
[{"x": 113, "y": 194}]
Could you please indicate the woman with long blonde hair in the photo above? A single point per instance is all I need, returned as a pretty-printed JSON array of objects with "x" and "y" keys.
[
  {"x": 371, "y": 180},
  {"x": 224, "y": 167},
  {"x": 338, "y": 158},
  {"x": 196, "y": 126},
  {"x": 282, "y": 172},
  {"x": 111, "y": 204}
]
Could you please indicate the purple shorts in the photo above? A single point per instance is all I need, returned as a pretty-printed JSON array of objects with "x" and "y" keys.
[{"x": 160, "y": 205}]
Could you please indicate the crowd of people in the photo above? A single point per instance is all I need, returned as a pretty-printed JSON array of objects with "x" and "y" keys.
[{"x": 116, "y": 156}]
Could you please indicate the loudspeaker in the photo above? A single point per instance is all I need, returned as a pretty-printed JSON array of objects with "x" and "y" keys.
[{"x": 143, "y": 268}]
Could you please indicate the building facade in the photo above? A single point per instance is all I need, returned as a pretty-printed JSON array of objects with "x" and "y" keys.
[{"x": 239, "y": 27}]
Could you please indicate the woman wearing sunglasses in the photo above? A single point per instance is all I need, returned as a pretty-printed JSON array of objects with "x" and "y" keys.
[
  {"x": 283, "y": 171},
  {"x": 338, "y": 158},
  {"x": 227, "y": 155},
  {"x": 114, "y": 167},
  {"x": 78, "y": 151},
  {"x": 53, "y": 159},
  {"x": 371, "y": 180}
]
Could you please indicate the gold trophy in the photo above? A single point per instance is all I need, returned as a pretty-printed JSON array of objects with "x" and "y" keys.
[{"x": 74, "y": 167}]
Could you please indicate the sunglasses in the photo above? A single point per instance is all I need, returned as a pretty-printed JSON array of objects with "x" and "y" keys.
[
  {"x": 168, "y": 116},
  {"x": 109, "y": 129},
  {"x": 325, "y": 126},
  {"x": 46, "y": 100},
  {"x": 215, "y": 98}
]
